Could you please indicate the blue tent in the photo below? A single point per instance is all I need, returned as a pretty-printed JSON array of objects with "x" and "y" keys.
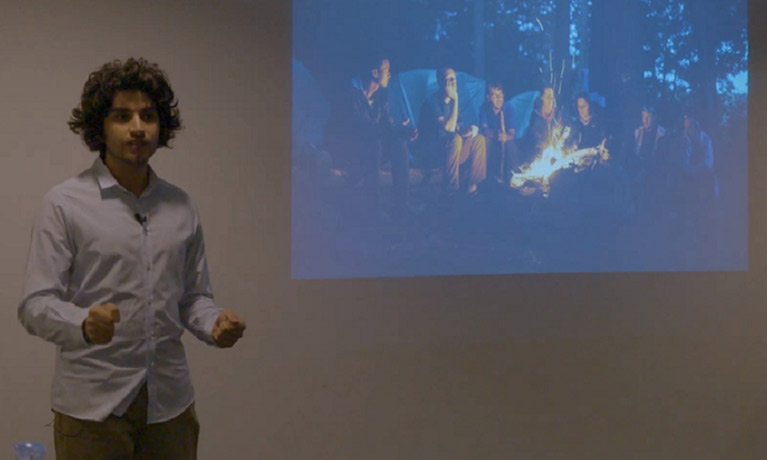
[
  {"x": 310, "y": 109},
  {"x": 522, "y": 106}
]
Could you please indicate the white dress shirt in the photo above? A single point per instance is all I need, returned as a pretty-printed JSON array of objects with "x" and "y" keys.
[{"x": 95, "y": 242}]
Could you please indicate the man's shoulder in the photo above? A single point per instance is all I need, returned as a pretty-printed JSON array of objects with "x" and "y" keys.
[
  {"x": 173, "y": 192},
  {"x": 353, "y": 93},
  {"x": 83, "y": 182},
  {"x": 487, "y": 113},
  {"x": 432, "y": 98},
  {"x": 175, "y": 197},
  {"x": 432, "y": 102}
]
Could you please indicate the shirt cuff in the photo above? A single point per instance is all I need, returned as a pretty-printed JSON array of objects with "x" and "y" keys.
[{"x": 78, "y": 335}]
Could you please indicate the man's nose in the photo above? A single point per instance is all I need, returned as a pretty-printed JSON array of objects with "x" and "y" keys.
[{"x": 137, "y": 127}]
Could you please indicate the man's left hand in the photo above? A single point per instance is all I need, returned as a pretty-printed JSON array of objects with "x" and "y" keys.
[{"x": 228, "y": 329}]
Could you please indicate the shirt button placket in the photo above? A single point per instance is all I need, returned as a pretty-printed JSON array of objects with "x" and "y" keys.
[{"x": 146, "y": 252}]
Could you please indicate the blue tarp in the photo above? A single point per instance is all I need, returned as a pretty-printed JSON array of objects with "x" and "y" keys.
[
  {"x": 310, "y": 109},
  {"x": 407, "y": 93},
  {"x": 522, "y": 106}
]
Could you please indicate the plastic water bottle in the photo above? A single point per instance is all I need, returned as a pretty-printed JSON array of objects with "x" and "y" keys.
[{"x": 29, "y": 451}]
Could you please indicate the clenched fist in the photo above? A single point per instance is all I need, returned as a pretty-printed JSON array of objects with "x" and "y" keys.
[
  {"x": 228, "y": 329},
  {"x": 99, "y": 326}
]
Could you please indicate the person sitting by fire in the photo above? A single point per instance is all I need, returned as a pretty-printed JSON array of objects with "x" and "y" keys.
[
  {"x": 650, "y": 165},
  {"x": 496, "y": 123},
  {"x": 362, "y": 130},
  {"x": 460, "y": 147},
  {"x": 648, "y": 137},
  {"x": 587, "y": 130},
  {"x": 542, "y": 123},
  {"x": 698, "y": 161}
]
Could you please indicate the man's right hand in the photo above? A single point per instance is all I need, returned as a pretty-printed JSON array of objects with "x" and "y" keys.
[
  {"x": 99, "y": 326},
  {"x": 451, "y": 89}
]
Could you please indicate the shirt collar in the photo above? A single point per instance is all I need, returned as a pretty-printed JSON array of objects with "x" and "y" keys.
[{"x": 107, "y": 181}]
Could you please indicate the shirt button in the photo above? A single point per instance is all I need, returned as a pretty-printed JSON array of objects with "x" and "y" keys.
[{"x": 148, "y": 267}]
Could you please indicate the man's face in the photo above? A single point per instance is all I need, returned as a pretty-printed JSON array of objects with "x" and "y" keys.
[
  {"x": 646, "y": 119},
  {"x": 131, "y": 128},
  {"x": 548, "y": 99},
  {"x": 583, "y": 108},
  {"x": 449, "y": 82},
  {"x": 382, "y": 74},
  {"x": 495, "y": 97}
]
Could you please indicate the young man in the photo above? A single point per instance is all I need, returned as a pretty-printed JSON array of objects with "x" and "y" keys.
[
  {"x": 648, "y": 136},
  {"x": 442, "y": 132},
  {"x": 363, "y": 131},
  {"x": 116, "y": 271},
  {"x": 496, "y": 123}
]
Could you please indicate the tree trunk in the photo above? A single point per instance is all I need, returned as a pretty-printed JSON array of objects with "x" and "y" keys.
[
  {"x": 703, "y": 78},
  {"x": 479, "y": 38},
  {"x": 616, "y": 44}
]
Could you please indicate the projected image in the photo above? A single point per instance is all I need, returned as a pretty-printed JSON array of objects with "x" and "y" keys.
[{"x": 462, "y": 137}]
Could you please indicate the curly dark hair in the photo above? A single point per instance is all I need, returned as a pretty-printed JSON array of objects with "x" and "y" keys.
[{"x": 99, "y": 91}]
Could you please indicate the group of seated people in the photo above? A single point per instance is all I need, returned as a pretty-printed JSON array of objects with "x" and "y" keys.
[{"x": 470, "y": 154}]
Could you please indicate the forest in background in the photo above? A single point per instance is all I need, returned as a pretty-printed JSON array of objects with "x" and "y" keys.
[{"x": 677, "y": 55}]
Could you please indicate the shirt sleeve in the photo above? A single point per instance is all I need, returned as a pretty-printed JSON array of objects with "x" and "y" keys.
[
  {"x": 388, "y": 125},
  {"x": 197, "y": 309},
  {"x": 43, "y": 311}
]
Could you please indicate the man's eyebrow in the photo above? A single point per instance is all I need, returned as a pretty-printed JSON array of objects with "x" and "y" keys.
[{"x": 125, "y": 109}]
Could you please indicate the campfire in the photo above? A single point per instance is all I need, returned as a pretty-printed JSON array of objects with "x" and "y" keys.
[{"x": 554, "y": 157}]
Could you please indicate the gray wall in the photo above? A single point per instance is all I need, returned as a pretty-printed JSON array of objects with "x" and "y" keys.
[{"x": 575, "y": 366}]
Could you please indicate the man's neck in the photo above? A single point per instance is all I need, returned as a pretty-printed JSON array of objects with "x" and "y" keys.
[{"x": 134, "y": 177}]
